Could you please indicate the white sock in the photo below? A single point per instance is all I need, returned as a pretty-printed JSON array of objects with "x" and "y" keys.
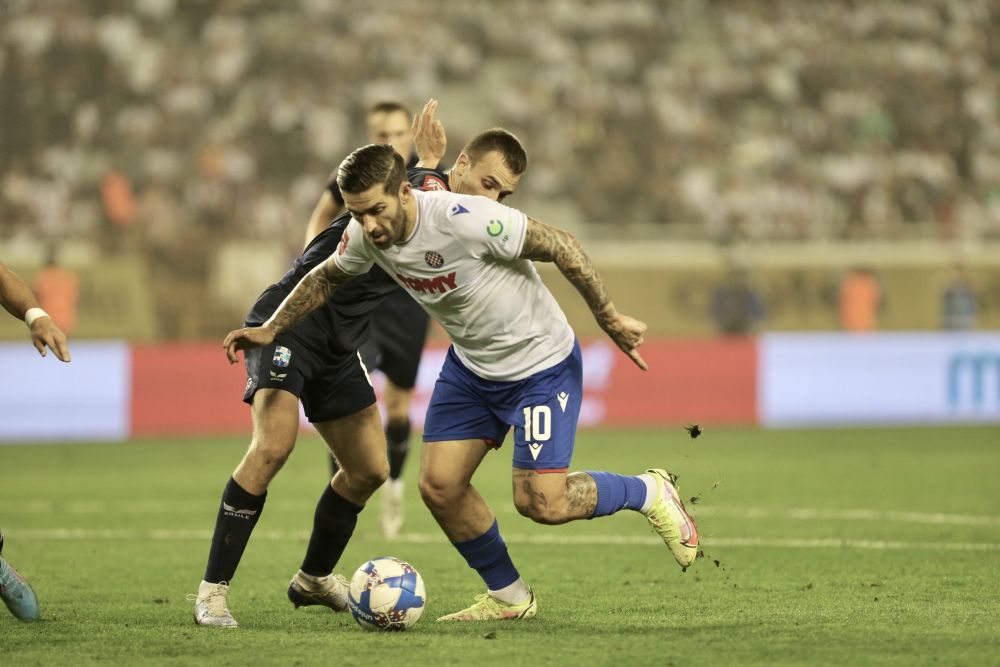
[
  {"x": 652, "y": 484},
  {"x": 516, "y": 593}
]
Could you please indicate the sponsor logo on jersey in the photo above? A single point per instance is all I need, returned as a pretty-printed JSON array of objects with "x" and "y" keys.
[
  {"x": 536, "y": 448},
  {"x": 437, "y": 284},
  {"x": 562, "y": 397},
  {"x": 495, "y": 228},
  {"x": 278, "y": 377},
  {"x": 282, "y": 356},
  {"x": 458, "y": 209},
  {"x": 433, "y": 183},
  {"x": 434, "y": 259},
  {"x": 342, "y": 246}
]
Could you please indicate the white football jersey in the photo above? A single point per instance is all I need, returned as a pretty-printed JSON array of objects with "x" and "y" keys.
[{"x": 461, "y": 264}]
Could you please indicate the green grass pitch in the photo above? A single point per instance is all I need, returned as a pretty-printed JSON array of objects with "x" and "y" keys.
[{"x": 848, "y": 547}]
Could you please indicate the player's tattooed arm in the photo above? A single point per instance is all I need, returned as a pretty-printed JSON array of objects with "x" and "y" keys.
[
  {"x": 544, "y": 243},
  {"x": 312, "y": 292}
]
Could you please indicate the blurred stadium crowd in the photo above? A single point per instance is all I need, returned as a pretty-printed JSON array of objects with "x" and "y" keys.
[{"x": 171, "y": 124}]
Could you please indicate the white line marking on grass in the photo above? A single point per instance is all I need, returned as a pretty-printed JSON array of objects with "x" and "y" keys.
[
  {"x": 13, "y": 508},
  {"x": 861, "y": 514},
  {"x": 72, "y": 534}
]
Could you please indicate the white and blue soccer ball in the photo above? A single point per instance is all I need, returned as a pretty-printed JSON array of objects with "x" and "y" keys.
[{"x": 386, "y": 594}]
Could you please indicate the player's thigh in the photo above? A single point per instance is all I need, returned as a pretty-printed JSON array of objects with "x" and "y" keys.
[
  {"x": 450, "y": 464},
  {"x": 545, "y": 417},
  {"x": 340, "y": 387},
  {"x": 275, "y": 414},
  {"x": 358, "y": 442}
]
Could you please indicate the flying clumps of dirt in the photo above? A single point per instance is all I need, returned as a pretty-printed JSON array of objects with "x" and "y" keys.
[{"x": 694, "y": 430}]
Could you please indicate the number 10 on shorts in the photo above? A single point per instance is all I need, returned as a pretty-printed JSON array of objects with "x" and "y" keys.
[{"x": 537, "y": 423}]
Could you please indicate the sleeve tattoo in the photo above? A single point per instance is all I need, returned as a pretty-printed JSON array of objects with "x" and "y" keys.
[
  {"x": 544, "y": 243},
  {"x": 312, "y": 292}
]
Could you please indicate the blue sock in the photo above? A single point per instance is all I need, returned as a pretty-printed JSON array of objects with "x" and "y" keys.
[
  {"x": 617, "y": 492},
  {"x": 487, "y": 555}
]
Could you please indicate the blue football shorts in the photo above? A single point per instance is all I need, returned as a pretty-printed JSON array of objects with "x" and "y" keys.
[{"x": 543, "y": 408}]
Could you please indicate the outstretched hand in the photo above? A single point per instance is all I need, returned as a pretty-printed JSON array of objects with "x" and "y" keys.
[
  {"x": 628, "y": 334},
  {"x": 45, "y": 334},
  {"x": 429, "y": 137},
  {"x": 245, "y": 339}
]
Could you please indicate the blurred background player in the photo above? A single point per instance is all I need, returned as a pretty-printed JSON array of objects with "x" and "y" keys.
[
  {"x": 398, "y": 324},
  {"x": 58, "y": 291}
]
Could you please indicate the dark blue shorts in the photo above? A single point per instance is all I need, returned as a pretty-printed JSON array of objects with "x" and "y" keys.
[
  {"x": 396, "y": 342},
  {"x": 330, "y": 385},
  {"x": 543, "y": 409}
]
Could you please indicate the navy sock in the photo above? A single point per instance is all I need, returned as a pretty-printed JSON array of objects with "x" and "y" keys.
[
  {"x": 333, "y": 525},
  {"x": 617, "y": 492},
  {"x": 487, "y": 555},
  {"x": 397, "y": 437},
  {"x": 238, "y": 514}
]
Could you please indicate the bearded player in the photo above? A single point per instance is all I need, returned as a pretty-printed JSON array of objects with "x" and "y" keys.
[{"x": 514, "y": 361}]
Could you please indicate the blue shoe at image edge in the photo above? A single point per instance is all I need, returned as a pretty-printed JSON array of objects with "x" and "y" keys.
[{"x": 17, "y": 594}]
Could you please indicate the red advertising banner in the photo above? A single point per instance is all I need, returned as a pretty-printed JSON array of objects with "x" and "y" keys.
[
  {"x": 703, "y": 381},
  {"x": 186, "y": 389},
  {"x": 190, "y": 389}
]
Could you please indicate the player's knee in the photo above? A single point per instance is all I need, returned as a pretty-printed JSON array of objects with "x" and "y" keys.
[
  {"x": 271, "y": 454},
  {"x": 437, "y": 493},
  {"x": 538, "y": 510},
  {"x": 367, "y": 481}
]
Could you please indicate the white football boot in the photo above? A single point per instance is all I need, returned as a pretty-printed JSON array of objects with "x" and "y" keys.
[
  {"x": 210, "y": 606},
  {"x": 305, "y": 590},
  {"x": 670, "y": 520},
  {"x": 391, "y": 520}
]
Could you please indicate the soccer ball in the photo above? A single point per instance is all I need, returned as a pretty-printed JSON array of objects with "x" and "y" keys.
[{"x": 386, "y": 594}]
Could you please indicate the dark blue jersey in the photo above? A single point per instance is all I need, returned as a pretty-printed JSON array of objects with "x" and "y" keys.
[{"x": 342, "y": 324}]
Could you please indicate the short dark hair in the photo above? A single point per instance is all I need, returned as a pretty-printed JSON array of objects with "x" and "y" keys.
[
  {"x": 370, "y": 165},
  {"x": 388, "y": 107},
  {"x": 498, "y": 139}
]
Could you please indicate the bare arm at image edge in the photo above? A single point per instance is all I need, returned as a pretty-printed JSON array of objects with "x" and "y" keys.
[{"x": 18, "y": 300}]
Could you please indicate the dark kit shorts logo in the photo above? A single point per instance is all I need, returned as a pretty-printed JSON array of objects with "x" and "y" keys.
[{"x": 434, "y": 259}]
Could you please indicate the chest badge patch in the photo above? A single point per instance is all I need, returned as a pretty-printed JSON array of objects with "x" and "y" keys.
[{"x": 434, "y": 259}]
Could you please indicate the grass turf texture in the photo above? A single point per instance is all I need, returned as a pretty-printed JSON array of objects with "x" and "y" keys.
[{"x": 113, "y": 536}]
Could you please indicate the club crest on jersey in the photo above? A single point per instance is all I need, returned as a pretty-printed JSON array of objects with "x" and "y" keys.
[
  {"x": 495, "y": 228},
  {"x": 282, "y": 356},
  {"x": 434, "y": 259},
  {"x": 433, "y": 183}
]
